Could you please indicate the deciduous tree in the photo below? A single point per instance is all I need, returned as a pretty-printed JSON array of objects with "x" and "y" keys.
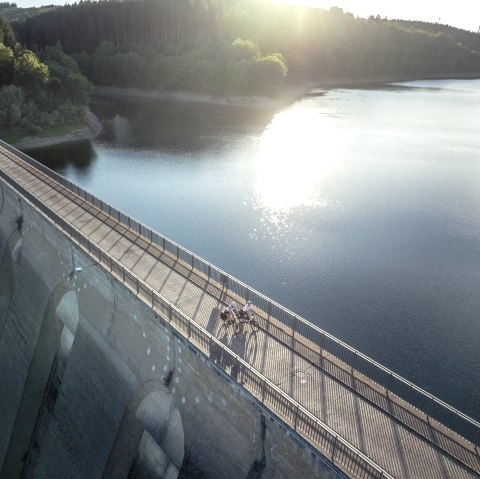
[
  {"x": 29, "y": 72},
  {"x": 11, "y": 104}
]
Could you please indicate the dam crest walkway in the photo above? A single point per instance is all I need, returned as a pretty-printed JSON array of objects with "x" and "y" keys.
[{"x": 363, "y": 418}]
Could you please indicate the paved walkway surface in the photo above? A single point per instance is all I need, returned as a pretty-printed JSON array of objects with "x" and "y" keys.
[{"x": 394, "y": 446}]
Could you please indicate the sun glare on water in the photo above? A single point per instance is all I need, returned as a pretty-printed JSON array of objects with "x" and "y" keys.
[{"x": 297, "y": 151}]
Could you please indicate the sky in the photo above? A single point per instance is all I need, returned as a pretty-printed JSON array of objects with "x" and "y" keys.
[{"x": 459, "y": 13}]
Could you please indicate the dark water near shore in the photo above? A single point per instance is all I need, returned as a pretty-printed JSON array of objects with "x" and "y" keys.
[{"x": 358, "y": 209}]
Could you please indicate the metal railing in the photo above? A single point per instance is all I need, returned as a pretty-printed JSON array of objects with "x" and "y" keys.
[
  {"x": 295, "y": 325},
  {"x": 339, "y": 451}
]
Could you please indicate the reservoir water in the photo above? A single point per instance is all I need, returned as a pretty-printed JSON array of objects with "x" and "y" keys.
[{"x": 358, "y": 209}]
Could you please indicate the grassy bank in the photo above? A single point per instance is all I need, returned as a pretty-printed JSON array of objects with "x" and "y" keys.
[
  {"x": 86, "y": 130},
  {"x": 17, "y": 136}
]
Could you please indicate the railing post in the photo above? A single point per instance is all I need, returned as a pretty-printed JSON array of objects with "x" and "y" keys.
[
  {"x": 334, "y": 448},
  {"x": 153, "y": 299},
  {"x": 123, "y": 274},
  {"x": 295, "y": 419},
  {"x": 193, "y": 261},
  {"x": 269, "y": 310},
  {"x": 322, "y": 348},
  {"x": 434, "y": 402},
  {"x": 178, "y": 252},
  {"x": 138, "y": 285},
  {"x": 322, "y": 341},
  {"x": 209, "y": 269},
  {"x": 387, "y": 387}
]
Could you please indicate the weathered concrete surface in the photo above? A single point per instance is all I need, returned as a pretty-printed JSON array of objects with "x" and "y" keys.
[{"x": 94, "y": 384}]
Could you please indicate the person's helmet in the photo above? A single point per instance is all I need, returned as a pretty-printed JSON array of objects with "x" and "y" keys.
[{"x": 249, "y": 302}]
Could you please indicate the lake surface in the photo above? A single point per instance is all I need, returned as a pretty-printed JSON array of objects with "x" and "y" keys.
[{"x": 358, "y": 209}]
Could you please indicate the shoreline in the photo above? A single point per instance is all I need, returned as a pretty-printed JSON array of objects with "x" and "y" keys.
[
  {"x": 331, "y": 83},
  {"x": 92, "y": 128},
  {"x": 289, "y": 95}
]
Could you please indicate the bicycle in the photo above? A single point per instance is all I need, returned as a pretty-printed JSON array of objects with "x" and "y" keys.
[
  {"x": 229, "y": 319},
  {"x": 244, "y": 317}
]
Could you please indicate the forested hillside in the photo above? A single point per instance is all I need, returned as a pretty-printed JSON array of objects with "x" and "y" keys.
[
  {"x": 12, "y": 12},
  {"x": 467, "y": 39},
  {"x": 38, "y": 91},
  {"x": 242, "y": 46}
]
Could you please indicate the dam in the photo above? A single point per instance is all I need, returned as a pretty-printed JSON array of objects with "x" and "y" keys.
[{"x": 115, "y": 363}]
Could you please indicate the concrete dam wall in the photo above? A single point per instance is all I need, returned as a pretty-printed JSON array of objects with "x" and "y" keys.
[{"x": 95, "y": 384}]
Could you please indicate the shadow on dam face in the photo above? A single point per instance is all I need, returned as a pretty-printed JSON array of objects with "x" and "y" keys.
[
  {"x": 44, "y": 378},
  {"x": 10, "y": 258},
  {"x": 150, "y": 440}
]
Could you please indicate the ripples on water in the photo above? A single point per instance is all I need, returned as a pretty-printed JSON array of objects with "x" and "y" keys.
[{"x": 358, "y": 209}]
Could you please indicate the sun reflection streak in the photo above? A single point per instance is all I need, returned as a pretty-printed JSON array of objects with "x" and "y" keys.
[{"x": 297, "y": 151}]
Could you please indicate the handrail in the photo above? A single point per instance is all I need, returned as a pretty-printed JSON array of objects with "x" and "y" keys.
[
  {"x": 392, "y": 382},
  {"x": 339, "y": 451},
  {"x": 409, "y": 416}
]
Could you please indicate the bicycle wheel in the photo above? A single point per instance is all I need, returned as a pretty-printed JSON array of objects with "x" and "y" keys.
[{"x": 254, "y": 324}]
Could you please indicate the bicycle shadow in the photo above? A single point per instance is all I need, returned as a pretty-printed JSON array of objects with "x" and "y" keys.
[
  {"x": 251, "y": 348},
  {"x": 244, "y": 344},
  {"x": 238, "y": 344},
  {"x": 213, "y": 320},
  {"x": 215, "y": 327}
]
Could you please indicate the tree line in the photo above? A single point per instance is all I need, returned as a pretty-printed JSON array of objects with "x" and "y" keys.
[
  {"x": 12, "y": 12},
  {"x": 38, "y": 91},
  {"x": 158, "y": 44},
  {"x": 237, "y": 67},
  {"x": 242, "y": 46},
  {"x": 175, "y": 41}
]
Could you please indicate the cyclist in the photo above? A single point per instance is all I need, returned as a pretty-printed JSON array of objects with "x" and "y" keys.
[
  {"x": 247, "y": 308},
  {"x": 232, "y": 310}
]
